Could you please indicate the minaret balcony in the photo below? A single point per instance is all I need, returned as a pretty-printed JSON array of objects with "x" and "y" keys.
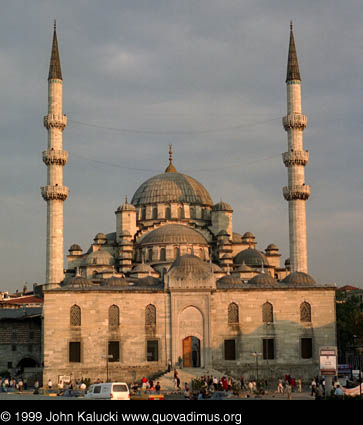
[
  {"x": 295, "y": 158},
  {"x": 296, "y": 192},
  {"x": 50, "y": 193},
  {"x": 55, "y": 121},
  {"x": 58, "y": 157},
  {"x": 298, "y": 121}
]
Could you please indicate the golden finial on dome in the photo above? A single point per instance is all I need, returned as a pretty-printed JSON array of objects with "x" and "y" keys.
[{"x": 170, "y": 168}]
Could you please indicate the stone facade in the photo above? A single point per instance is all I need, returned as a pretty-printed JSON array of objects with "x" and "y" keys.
[
  {"x": 180, "y": 313},
  {"x": 174, "y": 281}
]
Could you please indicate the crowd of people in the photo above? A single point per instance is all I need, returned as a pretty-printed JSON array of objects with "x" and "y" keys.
[{"x": 13, "y": 384}]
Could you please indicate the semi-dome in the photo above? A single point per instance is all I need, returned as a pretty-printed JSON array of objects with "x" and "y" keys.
[
  {"x": 174, "y": 234},
  {"x": 263, "y": 279},
  {"x": 171, "y": 187},
  {"x": 299, "y": 279},
  {"x": 99, "y": 258},
  {"x": 251, "y": 257},
  {"x": 190, "y": 265},
  {"x": 77, "y": 282}
]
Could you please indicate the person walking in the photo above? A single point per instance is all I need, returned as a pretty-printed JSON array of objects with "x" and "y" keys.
[
  {"x": 280, "y": 387},
  {"x": 289, "y": 390},
  {"x": 299, "y": 385},
  {"x": 313, "y": 387},
  {"x": 50, "y": 384}
]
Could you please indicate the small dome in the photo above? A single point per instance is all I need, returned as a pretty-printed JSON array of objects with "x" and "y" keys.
[
  {"x": 171, "y": 187},
  {"x": 216, "y": 268},
  {"x": 248, "y": 235},
  {"x": 148, "y": 281},
  {"x": 77, "y": 282},
  {"x": 263, "y": 279},
  {"x": 244, "y": 268},
  {"x": 142, "y": 268},
  {"x": 114, "y": 282},
  {"x": 272, "y": 247},
  {"x": 222, "y": 206},
  {"x": 190, "y": 265},
  {"x": 75, "y": 247},
  {"x": 236, "y": 237},
  {"x": 99, "y": 258},
  {"x": 100, "y": 236},
  {"x": 251, "y": 257},
  {"x": 126, "y": 207},
  {"x": 299, "y": 279},
  {"x": 229, "y": 280},
  {"x": 174, "y": 234}
]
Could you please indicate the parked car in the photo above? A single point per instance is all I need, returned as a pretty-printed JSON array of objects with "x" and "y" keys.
[{"x": 108, "y": 391}]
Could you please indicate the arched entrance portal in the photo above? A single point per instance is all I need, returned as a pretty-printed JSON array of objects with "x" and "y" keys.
[
  {"x": 191, "y": 352},
  {"x": 27, "y": 362}
]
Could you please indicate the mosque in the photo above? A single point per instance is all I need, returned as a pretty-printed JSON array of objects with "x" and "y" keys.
[{"x": 174, "y": 281}]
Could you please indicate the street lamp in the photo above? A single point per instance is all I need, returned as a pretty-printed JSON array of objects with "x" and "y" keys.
[
  {"x": 255, "y": 354},
  {"x": 108, "y": 357}
]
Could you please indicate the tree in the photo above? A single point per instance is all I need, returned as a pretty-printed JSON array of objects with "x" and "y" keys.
[{"x": 349, "y": 323}]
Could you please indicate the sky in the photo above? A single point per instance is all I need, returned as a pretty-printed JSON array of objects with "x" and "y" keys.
[{"x": 208, "y": 77}]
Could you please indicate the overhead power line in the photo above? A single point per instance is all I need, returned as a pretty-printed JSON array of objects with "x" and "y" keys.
[{"x": 173, "y": 132}]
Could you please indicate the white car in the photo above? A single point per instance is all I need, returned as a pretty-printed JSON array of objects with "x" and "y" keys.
[{"x": 108, "y": 391}]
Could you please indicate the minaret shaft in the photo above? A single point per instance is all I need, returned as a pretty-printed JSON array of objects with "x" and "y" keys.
[
  {"x": 55, "y": 158},
  {"x": 297, "y": 192}
]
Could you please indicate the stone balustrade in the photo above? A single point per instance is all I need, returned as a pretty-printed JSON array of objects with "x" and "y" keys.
[
  {"x": 51, "y": 156},
  {"x": 55, "y": 121},
  {"x": 295, "y": 158},
  {"x": 295, "y": 121},
  {"x": 54, "y": 193},
  {"x": 296, "y": 192}
]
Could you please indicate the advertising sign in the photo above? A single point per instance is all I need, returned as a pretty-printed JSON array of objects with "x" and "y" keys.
[{"x": 328, "y": 360}]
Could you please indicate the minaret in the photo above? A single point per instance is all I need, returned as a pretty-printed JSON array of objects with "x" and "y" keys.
[
  {"x": 297, "y": 192},
  {"x": 55, "y": 158}
]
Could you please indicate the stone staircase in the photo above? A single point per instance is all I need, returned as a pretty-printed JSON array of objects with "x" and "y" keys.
[{"x": 185, "y": 375}]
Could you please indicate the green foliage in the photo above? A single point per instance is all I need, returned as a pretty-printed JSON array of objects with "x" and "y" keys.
[{"x": 349, "y": 321}]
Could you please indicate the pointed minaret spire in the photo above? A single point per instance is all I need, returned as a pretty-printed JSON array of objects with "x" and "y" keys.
[
  {"x": 297, "y": 192},
  {"x": 55, "y": 72},
  {"x": 170, "y": 168},
  {"x": 55, "y": 158},
  {"x": 293, "y": 72}
]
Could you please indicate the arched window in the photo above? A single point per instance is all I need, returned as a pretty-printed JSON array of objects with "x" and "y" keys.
[
  {"x": 305, "y": 312},
  {"x": 180, "y": 212},
  {"x": 113, "y": 316},
  {"x": 167, "y": 213},
  {"x": 155, "y": 213},
  {"x": 162, "y": 254},
  {"x": 143, "y": 213},
  {"x": 267, "y": 313},
  {"x": 192, "y": 212},
  {"x": 150, "y": 315},
  {"x": 176, "y": 252},
  {"x": 75, "y": 316},
  {"x": 150, "y": 254},
  {"x": 233, "y": 316}
]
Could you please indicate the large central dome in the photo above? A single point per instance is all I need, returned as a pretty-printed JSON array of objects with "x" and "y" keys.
[{"x": 171, "y": 187}]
